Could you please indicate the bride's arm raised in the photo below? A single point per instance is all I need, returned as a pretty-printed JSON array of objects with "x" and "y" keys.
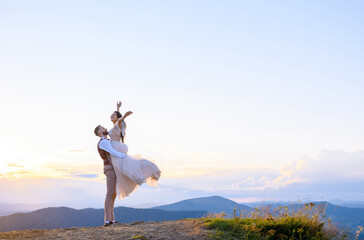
[
  {"x": 118, "y": 105},
  {"x": 120, "y": 120}
]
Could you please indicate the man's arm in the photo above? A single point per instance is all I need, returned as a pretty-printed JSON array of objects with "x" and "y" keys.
[{"x": 106, "y": 145}]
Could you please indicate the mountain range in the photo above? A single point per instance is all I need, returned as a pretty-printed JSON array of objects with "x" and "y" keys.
[{"x": 63, "y": 217}]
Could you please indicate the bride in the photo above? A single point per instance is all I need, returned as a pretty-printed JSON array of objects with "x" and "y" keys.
[{"x": 130, "y": 171}]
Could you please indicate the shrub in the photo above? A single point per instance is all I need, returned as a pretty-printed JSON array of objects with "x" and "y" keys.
[{"x": 290, "y": 223}]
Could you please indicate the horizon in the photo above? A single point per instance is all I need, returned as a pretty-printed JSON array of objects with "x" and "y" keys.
[
  {"x": 337, "y": 202},
  {"x": 243, "y": 100}
]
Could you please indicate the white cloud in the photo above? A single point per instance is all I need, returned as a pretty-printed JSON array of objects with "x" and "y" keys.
[
  {"x": 332, "y": 174},
  {"x": 319, "y": 174},
  {"x": 329, "y": 165}
]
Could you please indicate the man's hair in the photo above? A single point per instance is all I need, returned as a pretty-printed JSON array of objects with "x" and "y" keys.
[{"x": 97, "y": 129}]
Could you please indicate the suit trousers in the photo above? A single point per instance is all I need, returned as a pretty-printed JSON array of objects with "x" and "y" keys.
[{"x": 110, "y": 192}]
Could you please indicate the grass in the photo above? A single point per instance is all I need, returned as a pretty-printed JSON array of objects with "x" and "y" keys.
[
  {"x": 309, "y": 222},
  {"x": 140, "y": 237}
]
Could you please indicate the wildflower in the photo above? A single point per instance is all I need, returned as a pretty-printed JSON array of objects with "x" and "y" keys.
[{"x": 271, "y": 232}]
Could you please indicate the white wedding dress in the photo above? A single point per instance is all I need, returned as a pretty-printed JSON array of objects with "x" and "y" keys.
[{"x": 131, "y": 172}]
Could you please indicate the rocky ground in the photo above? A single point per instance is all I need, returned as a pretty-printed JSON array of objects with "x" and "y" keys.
[{"x": 186, "y": 229}]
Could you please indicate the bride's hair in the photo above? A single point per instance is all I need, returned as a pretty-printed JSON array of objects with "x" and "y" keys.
[{"x": 118, "y": 114}]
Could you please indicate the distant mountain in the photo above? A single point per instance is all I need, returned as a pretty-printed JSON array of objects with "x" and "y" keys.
[
  {"x": 344, "y": 216},
  {"x": 214, "y": 204},
  {"x": 7, "y": 209},
  {"x": 352, "y": 204},
  {"x": 63, "y": 217},
  {"x": 265, "y": 203}
]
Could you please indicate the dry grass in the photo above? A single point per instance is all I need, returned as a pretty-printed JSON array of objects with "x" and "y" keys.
[{"x": 186, "y": 229}]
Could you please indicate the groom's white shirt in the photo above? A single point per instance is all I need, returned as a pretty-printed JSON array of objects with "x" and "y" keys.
[{"x": 106, "y": 146}]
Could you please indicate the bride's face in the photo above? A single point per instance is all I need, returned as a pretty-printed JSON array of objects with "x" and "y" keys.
[{"x": 113, "y": 117}]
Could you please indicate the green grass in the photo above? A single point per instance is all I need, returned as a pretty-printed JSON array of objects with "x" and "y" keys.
[
  {"x": 301, "y": 224},
  {"x": 140, "y": 237}
]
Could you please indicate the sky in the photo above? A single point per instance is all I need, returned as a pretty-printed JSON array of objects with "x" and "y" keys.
[{"x": 249, "y": 100}]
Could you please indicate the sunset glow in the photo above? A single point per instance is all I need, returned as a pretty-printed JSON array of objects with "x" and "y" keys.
[{"x": 244, "y": 100}]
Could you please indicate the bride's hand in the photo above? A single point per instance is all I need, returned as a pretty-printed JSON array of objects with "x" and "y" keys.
[
  {"x": 128, "y": 113},
  {"x": 118, "y": 104},
  {"x": 123, "y": 117}
]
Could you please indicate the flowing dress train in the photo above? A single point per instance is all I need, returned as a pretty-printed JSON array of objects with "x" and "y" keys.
[{"x": 131, "y": 172}]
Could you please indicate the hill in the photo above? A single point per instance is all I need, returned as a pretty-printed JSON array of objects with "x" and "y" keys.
[
  {"x": 352, "y": 204},
  {"x": 213, "y": 204},
  {"x": 345, "y": 216}
]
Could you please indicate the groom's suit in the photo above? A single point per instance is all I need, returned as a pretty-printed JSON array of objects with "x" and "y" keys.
[{"x": 105, "y": 149}]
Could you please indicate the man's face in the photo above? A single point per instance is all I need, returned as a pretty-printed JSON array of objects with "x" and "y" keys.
[{"x": 102, "y": 131}]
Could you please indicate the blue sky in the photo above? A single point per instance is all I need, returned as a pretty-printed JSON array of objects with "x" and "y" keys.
[{"x": 248, "y": 100}]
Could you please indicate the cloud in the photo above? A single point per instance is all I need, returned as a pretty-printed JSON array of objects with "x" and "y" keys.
[
  {"x": 332, "y": 174},
  {"x": 14, "y": 164},
  {"x": 87, "y": 175},
  {"x": 56, "y": 170},
  {"x": 54, "y": 192},
  {"x": 18, "y": 174},
  {"x": 329, "y": 165},
  {"x": 77, "y": 150},
  {"x": 229, "y": 179}
]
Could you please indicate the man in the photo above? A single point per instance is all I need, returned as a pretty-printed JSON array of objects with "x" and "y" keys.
[{"x": 105, "y": 149}]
